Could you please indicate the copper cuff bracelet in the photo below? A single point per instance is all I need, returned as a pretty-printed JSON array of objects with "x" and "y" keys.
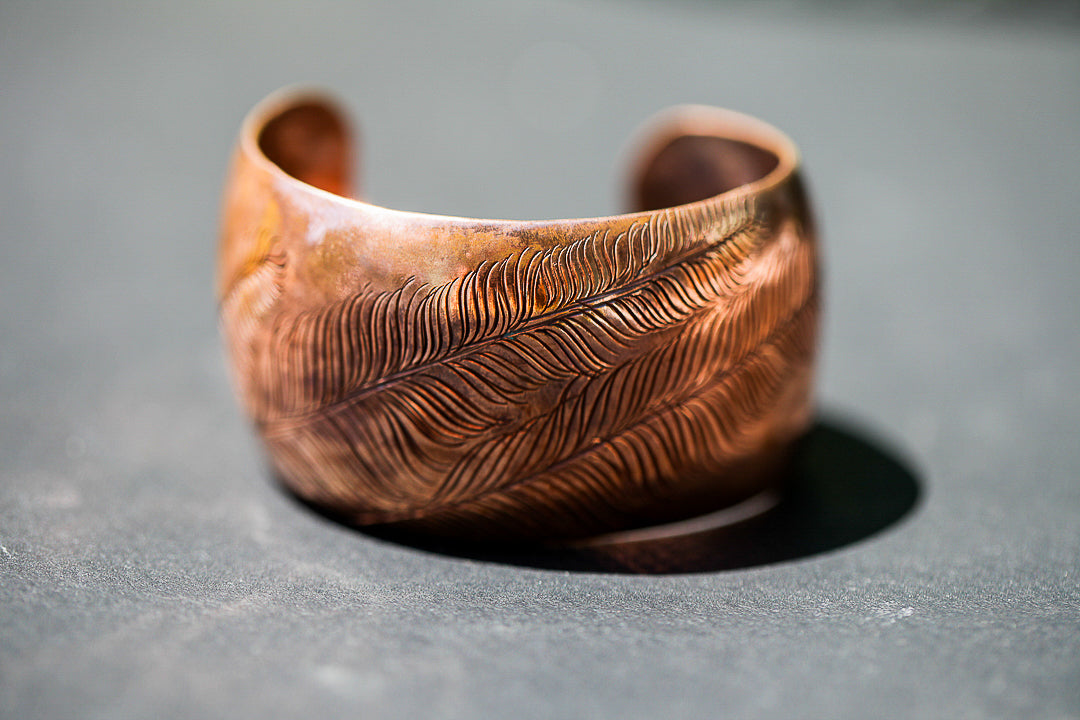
[{"x": 548, "y": 379}]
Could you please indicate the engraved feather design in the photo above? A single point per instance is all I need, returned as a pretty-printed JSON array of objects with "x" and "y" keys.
[{"x": 551, "y": 380}]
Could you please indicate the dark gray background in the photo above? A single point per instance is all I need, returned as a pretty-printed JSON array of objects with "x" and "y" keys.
[{"x": 150, "y": 568}]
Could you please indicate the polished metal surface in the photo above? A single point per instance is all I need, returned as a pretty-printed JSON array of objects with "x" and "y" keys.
[{"x": 542, "y": 379}]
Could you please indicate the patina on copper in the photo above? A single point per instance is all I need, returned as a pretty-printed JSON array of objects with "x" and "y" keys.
[{"x": 548, "y": 379}]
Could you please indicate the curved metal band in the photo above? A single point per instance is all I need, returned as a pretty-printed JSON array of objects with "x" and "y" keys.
[{"x": 544, "y": 379}]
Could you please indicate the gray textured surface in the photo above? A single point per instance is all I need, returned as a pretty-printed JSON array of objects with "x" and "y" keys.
[{"x": 149, "y": 569}]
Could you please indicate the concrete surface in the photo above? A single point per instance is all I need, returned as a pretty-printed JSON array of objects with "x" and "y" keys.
[{"x": 150, "y": 567}]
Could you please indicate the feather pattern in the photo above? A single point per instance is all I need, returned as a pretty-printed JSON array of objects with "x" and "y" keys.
[
  {"x": 374, "y": 337},
  {"x": 549, "y": 379}
]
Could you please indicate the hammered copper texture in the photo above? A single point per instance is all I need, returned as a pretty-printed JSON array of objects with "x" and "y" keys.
[{"x": 532, "y": 379}]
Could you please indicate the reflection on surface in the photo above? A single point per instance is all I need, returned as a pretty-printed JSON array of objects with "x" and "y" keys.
[{"x": 843, "y": 488}]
